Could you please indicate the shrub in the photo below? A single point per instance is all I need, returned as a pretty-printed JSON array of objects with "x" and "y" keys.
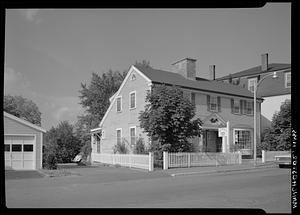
[
  {"x": 139, "y": 147},
  {"x": 120, "y": 148},
  {"x": 49, "y": 160}
]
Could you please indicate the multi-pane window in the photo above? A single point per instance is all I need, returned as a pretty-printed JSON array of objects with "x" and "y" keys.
[
  {"x": 97, "y": 139},
  {"x": 119, "y": 104},
  {"x": 213, "y": 103},
  {"x": 236, "y": 106},
  {"x": 119, "y": 136},
  {"x": 248, "y": 107},
  {"x": 242, "y": 138},
  {"x": 236, "y": 81},
  {"x": 132, "y": 98},
  {"x": 132, "y": 135},
  {"x": 287, "y": 80},
  {"x": 251, "y": 84}
]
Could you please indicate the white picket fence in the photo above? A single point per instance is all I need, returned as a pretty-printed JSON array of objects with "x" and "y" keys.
[
  {"x": 128, "y": 160},
  {"x": 172, "y": 160},
  {"x": 270, "y": 155}
]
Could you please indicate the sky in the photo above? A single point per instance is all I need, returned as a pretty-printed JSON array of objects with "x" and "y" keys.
[{"x": 50, "y": 52}]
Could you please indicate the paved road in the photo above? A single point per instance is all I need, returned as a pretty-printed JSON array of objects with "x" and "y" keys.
[{"x": 268, "y": 189}]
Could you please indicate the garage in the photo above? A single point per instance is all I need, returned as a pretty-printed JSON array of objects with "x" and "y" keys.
[
  {"x": 23, "y": 143},
  {"x": 19, "y": 152}
]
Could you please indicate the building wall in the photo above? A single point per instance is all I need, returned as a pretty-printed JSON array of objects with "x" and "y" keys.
[
  {"x": 127, "y": 117},
  {"x": 14, "y": 127}
]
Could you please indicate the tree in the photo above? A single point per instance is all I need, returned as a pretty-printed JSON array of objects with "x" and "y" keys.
[
  {"x": 62, "y": 142},
  {"x": 167, "y": 119},
  {"x": 278, "y": 137},
  {"x": 144, "y": 63},
  {"x": 22, "y": 108}
]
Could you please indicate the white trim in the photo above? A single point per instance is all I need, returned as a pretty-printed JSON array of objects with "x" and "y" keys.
[
  {"x": 252, "y": 79},
  {"x": 132, "y": 68},
  {"x": 95, "y": 129},
  {"x": 23, "y": 122},
  {"x": 118, "y": 111},
  {"x": 285, "y": 79},
  {"x": 41, "y": 153},
  {"x": 130, "y": 108},
  {"x": 130, "y": 132},
  {"x": 34, "y": 148},
  {"x": 103, "y": 134},
  {"x": 243, "y": 129}
]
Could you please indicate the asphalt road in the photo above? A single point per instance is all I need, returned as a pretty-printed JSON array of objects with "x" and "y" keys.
[{"x": 268, "y": 189}]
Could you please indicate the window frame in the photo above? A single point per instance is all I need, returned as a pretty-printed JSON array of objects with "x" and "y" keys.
[
  {"x": 132, "y": 127},
  {"x": 285, "y": 80},
  {"x": 246, "y": 105},
  {"x": 252, "y": 80},
  {"x": 211, "y": 103},
  {"x": 119, "y": 97},
  {"x": 119, "y": 129},
  {"x": 132, "y": 92},
  {"x": 236, "y": 103},
  {"x": 250, "y": 136}
]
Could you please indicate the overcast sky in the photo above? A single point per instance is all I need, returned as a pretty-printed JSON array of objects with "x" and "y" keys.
[{"x": 48, "y": 53}]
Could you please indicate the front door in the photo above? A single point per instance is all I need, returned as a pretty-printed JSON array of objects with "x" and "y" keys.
[{"x": 212, "y": 143}]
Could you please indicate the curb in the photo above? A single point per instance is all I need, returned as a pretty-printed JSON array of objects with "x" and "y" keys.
[{"x": 223, "y": 171}]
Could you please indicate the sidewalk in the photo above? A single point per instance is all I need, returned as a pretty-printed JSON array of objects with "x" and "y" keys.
[{"x": 245, "y": 166}]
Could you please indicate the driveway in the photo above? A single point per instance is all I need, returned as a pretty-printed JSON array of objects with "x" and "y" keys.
[{"x": 13, "y": 174}]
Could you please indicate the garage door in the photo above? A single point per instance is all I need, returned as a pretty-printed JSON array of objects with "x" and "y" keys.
[{"x": 19, "y": 152}]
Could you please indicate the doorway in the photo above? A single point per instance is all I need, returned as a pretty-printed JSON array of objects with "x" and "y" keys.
[{"x": 211, "y": 141}]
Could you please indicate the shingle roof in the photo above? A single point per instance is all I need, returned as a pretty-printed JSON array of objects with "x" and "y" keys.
[
  {"x": 257, "y": 70},
  {"x": 172, "y": 78}
]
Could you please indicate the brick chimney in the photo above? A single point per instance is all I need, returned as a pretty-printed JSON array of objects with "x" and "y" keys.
[
  {"x": 186, "y": 67},
  {"x": 264, "y": 62},
  {"x": 212, "y": 72}
]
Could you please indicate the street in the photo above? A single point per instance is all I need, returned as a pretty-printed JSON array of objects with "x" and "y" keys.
[{"x": 268, "y": 189}]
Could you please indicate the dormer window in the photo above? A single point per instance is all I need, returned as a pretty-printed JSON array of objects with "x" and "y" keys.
[{"x": 251, "y": 83}]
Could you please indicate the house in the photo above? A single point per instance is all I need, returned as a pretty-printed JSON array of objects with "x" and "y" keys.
[
  {"x": 225, "y": 110},
  {"x": 23, "y": 143},
  {"x": 273, "y": 91}
]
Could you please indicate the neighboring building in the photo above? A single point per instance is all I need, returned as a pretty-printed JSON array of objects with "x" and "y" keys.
[
  {"x": 23, "y": 144},
  {"x": 273, "y": 91},
  {"x": 218, "y": 105}
]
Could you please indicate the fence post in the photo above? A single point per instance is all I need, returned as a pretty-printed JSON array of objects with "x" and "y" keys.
[
  {"x": 189, "y": 160},
  {"x": 263, "y": 156},
  {"x": 151, "y": 161},
  {"x": 165, "y": 160}
]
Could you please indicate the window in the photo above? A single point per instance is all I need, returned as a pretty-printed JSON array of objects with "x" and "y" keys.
[
  {"x": 248, "y": 107},
  {"x": 119, "y": 136},
  {"x": 287, "y": 80},
  {"x": 236, "y": 106},
  {"x": 226, "y": 81},
  {"x": 213, "y": 103},
  {"x": 16, "y": 148},
  {"x": 236, "y": 81},
  {"x": 97, "y": 139},
  {"x": 28, "y": 148},
  {"x": 119, "y": 104},
  {"x": 6, "y": 147},
  {"x": 132, "y": 100},
  {"x": 132, "y": 135},
  {"x": 251, "y": 83},
  {"x": 242, "y": 138}
]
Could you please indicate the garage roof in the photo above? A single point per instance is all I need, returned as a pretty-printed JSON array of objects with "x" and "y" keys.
[{"x": 23, "y": 122}]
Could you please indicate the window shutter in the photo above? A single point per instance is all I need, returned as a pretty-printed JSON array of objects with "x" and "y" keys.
[
  {"x": 242, "y": 105},
  {"x": 208, "y": 102},
  {"x": 232, "y": 105},
  {"x": 219, "y": 103}
]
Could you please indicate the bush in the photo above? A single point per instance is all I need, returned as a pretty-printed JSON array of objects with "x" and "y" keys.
[
  {"x": 49, "y": 160},
  {"x": 120, "y": 148},
  {"x": 139, "y": 147}
]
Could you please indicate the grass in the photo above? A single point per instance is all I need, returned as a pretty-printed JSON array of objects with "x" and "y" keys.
[{"x": 58, "y": 172}]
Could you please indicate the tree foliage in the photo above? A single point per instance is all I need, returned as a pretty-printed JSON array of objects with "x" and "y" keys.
[
  {"x": 23, "y": 108},
  {"x": 167, "y": 119},
  {"x": 62, "y": 142},
  {"x": 278, "y": 137}
]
